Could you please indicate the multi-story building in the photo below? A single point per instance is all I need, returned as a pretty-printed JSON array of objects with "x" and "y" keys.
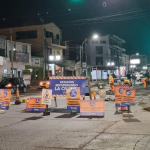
[
  {"x": 46, "y": 41},
  {"x": 106, "y": 55},
  {"x": 21, "y": 57}
]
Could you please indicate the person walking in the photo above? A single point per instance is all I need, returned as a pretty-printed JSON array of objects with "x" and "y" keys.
[{"x": 133, "y": 78}]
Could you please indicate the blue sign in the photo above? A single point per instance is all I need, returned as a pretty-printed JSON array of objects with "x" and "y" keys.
[
  {"x": 5, "y": 94},
  {"x": 37, "y": 100},
  {"x": 128, "y": 92},
  {"x": 73, "y": 93},
  {"x": 120, "y": 90},
  {"x": 59, "y": 86},
  {"x": 73, "y": 107}
]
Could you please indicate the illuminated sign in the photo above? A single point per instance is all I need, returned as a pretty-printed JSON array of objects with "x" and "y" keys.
[{"x": 135, "y": 61}]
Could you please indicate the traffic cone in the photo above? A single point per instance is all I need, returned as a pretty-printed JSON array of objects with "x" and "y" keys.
[
  {"x": 123, "y": 108},
  {"x": 17, "y": 102},
  {"x": 27, "y": 103}
]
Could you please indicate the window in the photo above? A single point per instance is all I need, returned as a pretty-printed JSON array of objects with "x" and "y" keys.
[
  {"x": 103, "y": 42},
  {"x": 99, "y": 60},
  {"x": 58, "y": 53},
  {"x": 94, "y": 42},
  {"x": 57, "y": 36},
  {"x": 24, "y": 48},
  {"x": 49, "y": 34},
  {"x": 99, "y": 49},
  {"x": 26, "y": 34}
]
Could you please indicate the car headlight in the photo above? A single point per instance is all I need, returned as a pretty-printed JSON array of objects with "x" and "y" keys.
[
  {"x": 8, "y": 85},
  {"x": 41, "y": 83}
]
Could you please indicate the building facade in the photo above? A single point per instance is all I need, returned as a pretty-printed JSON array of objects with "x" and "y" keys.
[
  {"x": 46, "y": 41},
  {"x": 106, "y": 55},
  {"x": 21, "y": 58}
]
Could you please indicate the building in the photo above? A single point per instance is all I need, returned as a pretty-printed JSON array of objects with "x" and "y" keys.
[
  {"x": 46, "y": 41},
  {"x": 21, "y": 58},
  {"x": 106, "y": 55},
  {"x": 138, "y": 62}
]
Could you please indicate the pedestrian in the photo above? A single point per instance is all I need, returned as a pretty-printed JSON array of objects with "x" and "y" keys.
[
  {"x": 108, "y": 76},
  {"x": 133, "y": 78},
  {"x": 129, "y": 76}
]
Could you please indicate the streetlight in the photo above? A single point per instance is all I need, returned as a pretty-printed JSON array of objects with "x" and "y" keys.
[
  {"x": 144, "y": 67},
  {"x": 95, "y": 36},
  {"x": 110, "y": 64}
]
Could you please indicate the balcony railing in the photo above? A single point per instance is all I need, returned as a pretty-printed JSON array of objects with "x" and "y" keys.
[
  {"x": 19, "y": 57},
  {"x": 58, "y": 42}
]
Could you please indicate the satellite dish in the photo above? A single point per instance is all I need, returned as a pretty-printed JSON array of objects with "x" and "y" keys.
[{"x": 104, "y": 4}]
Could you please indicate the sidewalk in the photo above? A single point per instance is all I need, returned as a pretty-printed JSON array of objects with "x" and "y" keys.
[{"x": 61, "y": 130}]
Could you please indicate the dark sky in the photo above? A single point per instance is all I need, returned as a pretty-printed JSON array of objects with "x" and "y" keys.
[{"x": 135, "y": 31}]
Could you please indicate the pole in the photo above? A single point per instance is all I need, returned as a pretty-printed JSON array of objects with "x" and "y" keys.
[
  {"x": 96, "y": 73},
  {"x": 45, "y": 50},
  {"x": 80, "y": 61},
  {"x": 11, "y": 52},
  {"x": 89, "y": 86}
]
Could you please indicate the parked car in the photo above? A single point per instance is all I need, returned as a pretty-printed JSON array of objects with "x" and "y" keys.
[{"x": 12, "y": 83}]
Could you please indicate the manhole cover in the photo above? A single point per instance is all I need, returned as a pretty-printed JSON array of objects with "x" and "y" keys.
[{"x": 32, "y": 118}]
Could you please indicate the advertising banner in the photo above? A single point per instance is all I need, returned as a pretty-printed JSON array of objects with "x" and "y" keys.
[
  {"x": 118, "y": 94},
  {"x": 73, "y": 98},
  {"x": 58, "y": 85},
  {"x": 92, "y": 108},
  {"x": 128, "y": 96},
  {"x": 35, "y": 104},
  {"x": 7, "y": 96},
  {"x": 2, "y": 101}
]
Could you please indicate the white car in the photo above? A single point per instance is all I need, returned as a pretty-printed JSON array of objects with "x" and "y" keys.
[{"x": 139, "y": 76}]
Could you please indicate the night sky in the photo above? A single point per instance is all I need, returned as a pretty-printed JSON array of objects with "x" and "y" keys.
[{"x": 79, "y": 19}]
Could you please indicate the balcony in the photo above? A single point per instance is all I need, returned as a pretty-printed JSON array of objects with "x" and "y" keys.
[
  {"x": 19, "y": 56},
  {"x": 58, "y": 42}
]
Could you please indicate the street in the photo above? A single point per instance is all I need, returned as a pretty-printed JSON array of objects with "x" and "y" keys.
[{"x": 23, "y": 130}]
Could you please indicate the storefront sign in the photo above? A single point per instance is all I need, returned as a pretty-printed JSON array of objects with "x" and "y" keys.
[
  {"x": 35, "y": 104},
  {"x": 58, "y": 85},
  {"x": 27, "y": 78},
  {"x": 118, "y": 94},
  {"x": 128, "y": 96},
  {"x": 92, "y": 108},
  {"x": 73, "y": 98},
  {"x": 7, "y": 96},
  {"x": 36, "y": 61},
  {"x": 2, "y": 101}
]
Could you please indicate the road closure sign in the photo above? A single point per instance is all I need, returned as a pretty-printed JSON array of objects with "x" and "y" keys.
[
  {"x": 7, "y": 96},
  {"x": 46, "y": 96},
  {"x": 58, "y": 85},
  {"x": 35, "y": 104},
  {"x": 73, "y": 98},
  {"x": 92, "y": 108},
  {"x": 128, "y": 96}
]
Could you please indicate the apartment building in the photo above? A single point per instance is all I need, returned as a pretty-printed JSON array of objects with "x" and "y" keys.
[
  {"x": 106, "y": 55},
  {"x": 21, "y": 57},
  {"x": 46, "y": 41}
]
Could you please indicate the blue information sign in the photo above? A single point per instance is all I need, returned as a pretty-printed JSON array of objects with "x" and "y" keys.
[{"x": 59, "y": 86}]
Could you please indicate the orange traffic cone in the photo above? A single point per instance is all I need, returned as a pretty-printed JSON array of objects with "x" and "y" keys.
[
  {"x": 27, "y": 103},
  {"x": 17, "y": 102},
  {"x": 123, "y": 108}
]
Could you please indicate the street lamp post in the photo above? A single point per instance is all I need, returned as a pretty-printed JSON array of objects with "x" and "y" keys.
[{"x": 95, "y": 36}]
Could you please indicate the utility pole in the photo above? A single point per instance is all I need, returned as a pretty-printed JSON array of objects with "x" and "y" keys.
[
  {"x": 45, "y": 51},
  {"x": 81, "y": 61},
  {"x": 11, "y": 52}
]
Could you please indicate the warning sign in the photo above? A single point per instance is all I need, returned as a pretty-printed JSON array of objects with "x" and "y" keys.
[{"x": 46, "y": 96}]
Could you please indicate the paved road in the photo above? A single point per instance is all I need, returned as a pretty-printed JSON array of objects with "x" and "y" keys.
[{"x": 21, "y": 130}]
